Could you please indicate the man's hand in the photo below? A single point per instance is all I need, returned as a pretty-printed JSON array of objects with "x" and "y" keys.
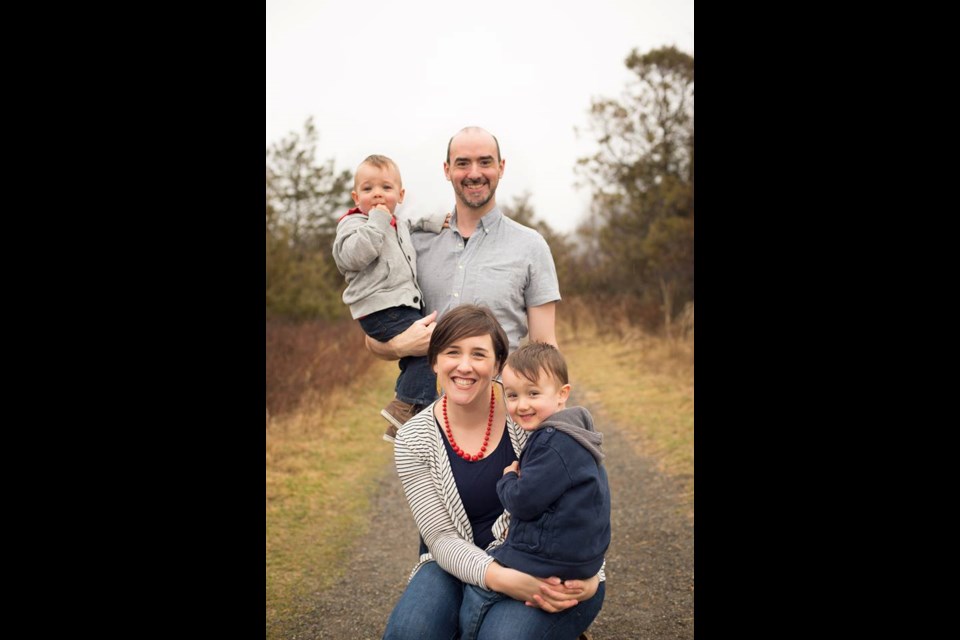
[
  {"x": 412, "y": 342},
  {"x": 514, "y": 466}
]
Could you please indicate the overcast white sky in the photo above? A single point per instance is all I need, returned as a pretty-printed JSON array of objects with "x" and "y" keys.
[{"x": 399, "y": 78}]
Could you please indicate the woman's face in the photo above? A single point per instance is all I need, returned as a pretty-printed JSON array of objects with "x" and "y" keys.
[{"x": 466, "y": 368}]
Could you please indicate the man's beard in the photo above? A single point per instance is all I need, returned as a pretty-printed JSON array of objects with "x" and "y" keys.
[{"x": 475, "y": 204}]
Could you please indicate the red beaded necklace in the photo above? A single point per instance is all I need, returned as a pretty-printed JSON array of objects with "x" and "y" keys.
[{"x": 486, "y": 438}]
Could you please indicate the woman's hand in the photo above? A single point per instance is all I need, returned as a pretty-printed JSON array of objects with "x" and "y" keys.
[
  {"x": 551, "y": 595},
  {"x": 555, "y": 592},
  {"x": 525, "y": 588}
]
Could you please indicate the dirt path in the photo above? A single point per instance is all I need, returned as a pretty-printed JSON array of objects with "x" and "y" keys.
[{"x": 649, "y": 563}]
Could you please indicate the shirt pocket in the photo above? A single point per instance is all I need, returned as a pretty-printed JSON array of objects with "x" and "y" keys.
[{"x": 504, "y": 289}]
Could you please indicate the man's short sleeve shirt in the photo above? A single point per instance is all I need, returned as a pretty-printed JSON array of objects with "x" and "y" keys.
[{"x": 504, "y": 266}]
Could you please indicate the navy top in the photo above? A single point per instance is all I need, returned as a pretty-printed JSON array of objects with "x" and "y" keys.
[{"x": 477, "y": 485}]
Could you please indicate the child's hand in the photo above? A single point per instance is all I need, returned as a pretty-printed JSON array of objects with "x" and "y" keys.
[
  {"x": 515, "y": 467},
  {"x": 446, "y": 222},
  {"x": 382, "y": 207}
]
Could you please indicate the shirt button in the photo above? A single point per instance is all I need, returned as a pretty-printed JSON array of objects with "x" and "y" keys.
[
  {"x": 416, "y": 298},
  {"x": 456, "y": 295},
  {"x": 408, "y": 257}
]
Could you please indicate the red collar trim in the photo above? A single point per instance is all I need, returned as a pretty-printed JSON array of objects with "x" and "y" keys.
[{"x": 393, "y": 219}]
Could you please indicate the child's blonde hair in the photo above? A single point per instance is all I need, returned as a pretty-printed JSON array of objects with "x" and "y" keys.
[{"x": 380, "y": 162}]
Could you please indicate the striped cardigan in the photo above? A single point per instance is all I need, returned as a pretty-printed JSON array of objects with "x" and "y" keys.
[{"x": 428, "y": 483}]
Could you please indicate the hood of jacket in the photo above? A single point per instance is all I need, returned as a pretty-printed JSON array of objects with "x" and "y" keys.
[{"x": 577, "y": 423}]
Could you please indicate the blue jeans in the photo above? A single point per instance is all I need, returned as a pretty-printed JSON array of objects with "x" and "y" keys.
[
  {"x": 437, "y": 605},
  {"x": 428, "y": 608},
  {"x": 417, "y": 383}
]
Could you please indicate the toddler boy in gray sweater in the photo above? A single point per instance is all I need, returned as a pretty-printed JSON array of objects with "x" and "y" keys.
[{"x": 373, "y": 251}]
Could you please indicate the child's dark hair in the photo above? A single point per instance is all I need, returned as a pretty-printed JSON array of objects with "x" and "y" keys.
[
  {"x": 529, "y": 359},
  {"x": 467, "y": 321}
]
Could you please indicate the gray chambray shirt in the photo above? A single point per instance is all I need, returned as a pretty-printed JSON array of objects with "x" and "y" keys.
[{"x": 504, "y": 266}]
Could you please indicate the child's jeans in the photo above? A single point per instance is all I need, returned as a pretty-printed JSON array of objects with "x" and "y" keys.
[
  {"x": 417, "y": 384},
  {"x": 515, "y": 619},
  {"x": 476, "y": 602}
]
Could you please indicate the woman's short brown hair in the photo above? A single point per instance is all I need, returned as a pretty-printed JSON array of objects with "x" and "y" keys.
[{"x": 467, "y": 321}]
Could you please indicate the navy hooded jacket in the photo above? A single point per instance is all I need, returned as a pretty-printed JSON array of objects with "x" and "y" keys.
[{"x": 560, "y": 503}]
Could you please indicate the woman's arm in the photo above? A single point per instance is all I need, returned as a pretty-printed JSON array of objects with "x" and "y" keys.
[
  {"x": 446, "y": 541},
  {"x": 551, "y": 595}
]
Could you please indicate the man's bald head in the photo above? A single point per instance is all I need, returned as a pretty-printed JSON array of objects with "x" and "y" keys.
[{"x": 473, "y": 130}]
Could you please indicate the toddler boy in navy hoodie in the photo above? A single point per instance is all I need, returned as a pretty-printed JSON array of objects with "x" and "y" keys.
[{"x": 559, "y": 497}]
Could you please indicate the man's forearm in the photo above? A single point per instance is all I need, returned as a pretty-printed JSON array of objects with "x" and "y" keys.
[
  {"x": 542, "y": 323},
  {"x": 382, "y": 350}
]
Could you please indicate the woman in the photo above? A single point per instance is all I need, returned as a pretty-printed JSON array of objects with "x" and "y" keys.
[{"x": 449, "y": 458}]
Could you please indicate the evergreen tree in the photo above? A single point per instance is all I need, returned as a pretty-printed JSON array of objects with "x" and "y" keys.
[
  {"x": 303, "y": 202},
  {"x": 642, "y": 182}
]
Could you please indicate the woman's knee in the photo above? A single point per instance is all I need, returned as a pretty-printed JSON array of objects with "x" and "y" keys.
[{"x": 428, "y": 608}]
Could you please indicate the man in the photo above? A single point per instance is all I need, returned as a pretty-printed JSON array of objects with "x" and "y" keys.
[{"x": 483, "y": 258}]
